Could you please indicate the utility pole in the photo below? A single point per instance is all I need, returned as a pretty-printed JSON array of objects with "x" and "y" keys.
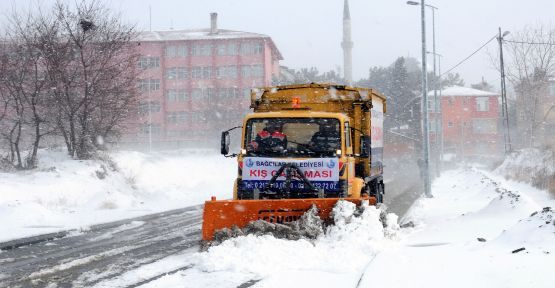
[
  {"x": 425, "y": 120},
  {"x": 504, "y": 109},
  {"x": 436, "y": 104}
]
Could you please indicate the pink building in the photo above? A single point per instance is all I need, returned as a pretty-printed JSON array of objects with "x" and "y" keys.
[
  {"x": 196, "y": 83},
  {"x": 471, "y": 122}
]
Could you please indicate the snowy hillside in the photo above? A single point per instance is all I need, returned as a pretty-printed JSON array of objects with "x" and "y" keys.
[
  {"x": 535, "y": 166},
  {"x": 67, "y": 194},
  {"x": 478, "y": 231}
]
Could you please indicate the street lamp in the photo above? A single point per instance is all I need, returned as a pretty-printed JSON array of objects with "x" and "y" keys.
[
  {"x": 504, "y": 109},
  {"x": 425, "y": 122},
  {"x": 434, "y": 53}
]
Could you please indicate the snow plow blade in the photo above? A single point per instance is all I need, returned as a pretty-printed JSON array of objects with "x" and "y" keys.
[{"x": 228, "y": 213}]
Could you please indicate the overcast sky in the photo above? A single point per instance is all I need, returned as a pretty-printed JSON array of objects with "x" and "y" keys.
[{"x": 308, "y": 32}]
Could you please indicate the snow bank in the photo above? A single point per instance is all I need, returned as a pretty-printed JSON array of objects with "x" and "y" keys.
[
  {"x": 534, "y": 166},
  {"x": 471, "y": 234},
  {"x": 67, "y": 194},
  {"x": 336, "y": 258}
]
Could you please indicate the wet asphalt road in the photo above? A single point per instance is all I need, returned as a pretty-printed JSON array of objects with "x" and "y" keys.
[{"x": 84, "y": 259}]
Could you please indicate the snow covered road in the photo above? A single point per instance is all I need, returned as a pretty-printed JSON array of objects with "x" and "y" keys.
[{"x": 85, "y": 258}]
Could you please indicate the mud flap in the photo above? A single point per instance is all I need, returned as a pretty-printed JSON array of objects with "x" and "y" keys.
[{"x": 219, "y": 214}]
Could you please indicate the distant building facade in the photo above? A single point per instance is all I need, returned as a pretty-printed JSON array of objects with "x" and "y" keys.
[
  {"x": 471, "y": 122},
  {"x": 196, "y": 83}
]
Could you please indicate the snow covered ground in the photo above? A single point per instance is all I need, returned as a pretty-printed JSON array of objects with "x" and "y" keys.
[
  {"x": 67, "y": 194},
  {"x": 471, "y": 234}
]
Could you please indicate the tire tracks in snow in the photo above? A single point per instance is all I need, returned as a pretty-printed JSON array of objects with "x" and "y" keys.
[{"x": 86, "y": 258}]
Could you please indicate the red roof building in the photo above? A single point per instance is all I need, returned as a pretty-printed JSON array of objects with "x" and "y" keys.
[
  {"x": 196, "y": 83},
  {"x": 471, "y": 119}
]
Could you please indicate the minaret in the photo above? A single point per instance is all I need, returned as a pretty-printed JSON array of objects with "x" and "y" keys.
[{"x": 347, "y": 45}]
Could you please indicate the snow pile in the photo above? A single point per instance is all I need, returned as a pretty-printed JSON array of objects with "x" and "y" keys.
[
  {"x": 536, "y": 233},
  {"x": 477, "y": 231},
  {"x": 308, "y": 226},
  {"x": 66, "y": 194},
  {"x": 532, "y": 166},
  {"x": 356, "y": 236}
]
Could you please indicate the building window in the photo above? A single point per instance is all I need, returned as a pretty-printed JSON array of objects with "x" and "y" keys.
[
  {"x": 180, "y": 117},
  {"x": 177, "y": 73},
  {"x": 482, "y": 104},
  {"x": 484, "y": 126},
  {"x": 258, "y": 48},
  {"x": 195, "y": 50},
  {"x": 196, "y": 94},
  {"x": 206, "y": 72},
  {"x": 257, "y": 70},
  {"x": 182, "y": 51},
  {"x": 226, "y": 72},
  {"x": 176, "y": 51},
  {"x": 228, "y": 93},
  {"x": 249, "y": 48},
  {"x": 450, "y": 101},
  {"x": 221, "y": 49},
  {"x": 152, "y": 106},
  {"x": 450, "y": 124},
  {"x": 176, "y": 95},
  {"x": 196, "y": 72},
  {"x": 147, "y": 128},
  {"x": 206, "y": 50},
  {"x": 197, "y": 117},
  {"x": 149, "y": 62},
  {"x": 171, "y": 51},
  {"x": 232, "y": 49},
  {"x": 252, "y": 71},
  {"x": 148, "y": 85}
]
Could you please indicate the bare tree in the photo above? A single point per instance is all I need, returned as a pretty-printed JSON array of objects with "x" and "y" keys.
[
  {"x": 70, "y": 72},
  {"x": 531, "y": 63},
  {"x": 24, "y": 89},
  {"x": 92, "y": 65}
]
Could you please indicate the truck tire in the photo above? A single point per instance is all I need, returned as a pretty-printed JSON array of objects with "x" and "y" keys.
[
  {"x": 381, "y": 191},
  {"x": 377, "y": 190}
]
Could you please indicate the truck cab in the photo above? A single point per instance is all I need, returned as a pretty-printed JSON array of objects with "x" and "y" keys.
[{"x": 310, "y": 141}]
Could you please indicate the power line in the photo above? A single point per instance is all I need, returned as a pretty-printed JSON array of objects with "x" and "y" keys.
[
  {"x": 468, "y": 57},
  {"x": 530, "y": 43}
]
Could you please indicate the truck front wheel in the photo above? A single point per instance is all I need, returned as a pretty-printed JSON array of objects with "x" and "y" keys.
[{"x": 377, "y": 190}]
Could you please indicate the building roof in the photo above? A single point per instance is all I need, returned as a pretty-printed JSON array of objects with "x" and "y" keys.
[
  {"x": 463, "y": 91},
  {"x": 202, "y": 34}
]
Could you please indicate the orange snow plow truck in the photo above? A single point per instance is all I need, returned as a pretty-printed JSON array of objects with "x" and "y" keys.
[{"x": 303, "y": 145}]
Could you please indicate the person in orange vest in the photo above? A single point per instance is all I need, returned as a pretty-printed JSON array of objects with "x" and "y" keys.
[{"x": 270, "y": 139}]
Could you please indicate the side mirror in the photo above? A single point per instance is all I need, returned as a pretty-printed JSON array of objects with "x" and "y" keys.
[
  {"x": 365, "y": 148},
  {"x": 225, "y": 143}
]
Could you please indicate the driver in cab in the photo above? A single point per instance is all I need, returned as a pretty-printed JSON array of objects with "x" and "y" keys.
[
  {"x": 326, "y": 139},
  {"x": 270, "y": 139}
]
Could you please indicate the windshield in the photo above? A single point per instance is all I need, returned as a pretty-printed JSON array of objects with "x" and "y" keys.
[{"x": 309, "y": 137}]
